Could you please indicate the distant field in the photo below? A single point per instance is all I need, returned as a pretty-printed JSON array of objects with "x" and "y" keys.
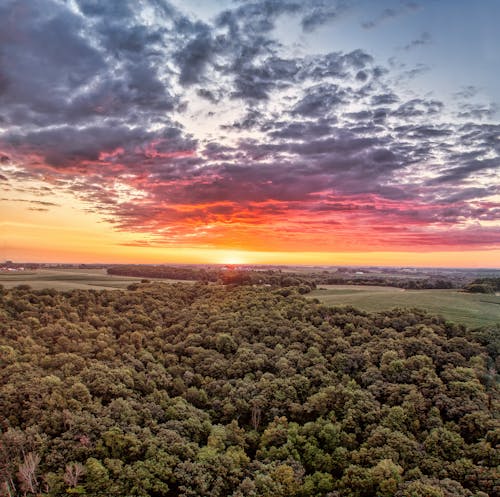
[
  {"x": 68, "y": 279},
  {"x": 470, "y": 309}
]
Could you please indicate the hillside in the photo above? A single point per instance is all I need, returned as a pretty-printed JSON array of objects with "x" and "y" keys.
[{"x": 201, "y": 390}]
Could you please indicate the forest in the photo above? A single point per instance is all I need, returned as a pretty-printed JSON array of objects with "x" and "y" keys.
[
  {"x": 276, "y": 277},
  {"x": 184, "y": 390},
  {"x": 483, "y": 285}
]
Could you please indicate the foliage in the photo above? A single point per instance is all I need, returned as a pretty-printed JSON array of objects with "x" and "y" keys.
[
  {"x": 306, "y": 280},
  {"x": 209, "y": 390},
  {"x": 483, "y": 285}
]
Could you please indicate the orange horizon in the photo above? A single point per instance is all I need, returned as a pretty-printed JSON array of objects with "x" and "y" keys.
[
  {"x": 67, "y": 233},
  {"x": 459, "y": 260}
]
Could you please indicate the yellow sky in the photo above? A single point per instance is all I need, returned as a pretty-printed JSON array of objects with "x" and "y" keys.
[{"x": 67, "y": 233}]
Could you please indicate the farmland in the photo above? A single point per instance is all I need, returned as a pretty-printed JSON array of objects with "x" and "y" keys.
[
  {"x": 66, "y": 279},
  {"x": 470, "y": 309}
]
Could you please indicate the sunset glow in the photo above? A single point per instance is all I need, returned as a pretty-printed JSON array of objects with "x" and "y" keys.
[{"x": 249, "y": 133}]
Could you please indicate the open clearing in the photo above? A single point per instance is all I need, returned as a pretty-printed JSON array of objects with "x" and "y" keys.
[
  {"x": 68, "y": 279},
  {"x": 470, "y": 309}
]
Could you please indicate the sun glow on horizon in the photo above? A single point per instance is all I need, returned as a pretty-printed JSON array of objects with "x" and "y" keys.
[
  {"x": 349, "y": 143},
  {"x": 232, "y": 257}
]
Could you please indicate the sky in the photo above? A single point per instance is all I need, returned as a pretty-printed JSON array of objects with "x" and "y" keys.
[{"x": 267, "y": 131}]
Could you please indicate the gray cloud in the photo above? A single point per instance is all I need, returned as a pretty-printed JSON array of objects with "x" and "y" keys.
[
  {"x": 423, "y": 39},
  {"x": 466, "y": 92},
  {"x": 322, "y": 12},
  {"x": 319, "y": 101},
  {"x": 418, "y": 107},
  {"x": 478, "y": 112},
  {"x": 391, "y": 13},
  {"x": 328, "y": 133},
  {"x": 193, "y": 57}
]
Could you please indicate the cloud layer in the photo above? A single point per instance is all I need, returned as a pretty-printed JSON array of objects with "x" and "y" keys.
[{"x": 191, "y": 132}]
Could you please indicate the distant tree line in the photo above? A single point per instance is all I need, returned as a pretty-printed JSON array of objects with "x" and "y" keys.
[
  {"x": 483, "y": 285},
  {"x": 176, "y": 390},
  {"x": 276, "y": 278},
  {"x": 166, "y": 272},
  {"x": 406, "y": 283}
]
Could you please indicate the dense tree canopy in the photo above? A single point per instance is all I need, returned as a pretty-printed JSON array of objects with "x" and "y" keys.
[{"x": 207, "y": 390}]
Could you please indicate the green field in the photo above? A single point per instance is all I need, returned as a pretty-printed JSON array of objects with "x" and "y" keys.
[
  {"x": 68, "y": 279},
  {"x": 470, "y": 309}
]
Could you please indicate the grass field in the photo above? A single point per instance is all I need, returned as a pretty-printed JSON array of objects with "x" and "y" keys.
[
  {"x": 470, "y": 309},
  {"x": 68, "y": 279}
]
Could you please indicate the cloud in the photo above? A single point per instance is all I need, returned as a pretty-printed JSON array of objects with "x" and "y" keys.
[
  {"x": 384, "y": 99},
  {"x": 418, "y": 107},
  {"x": 320, "y": 150},
  {"x": 477, "y": 111},
  {"x": 36, "y": 202},
  {"x": 466, "y": 92},
  {"x": 466, "y": 170},
  {"x": 322, "y": 12},
  {"x": 391, "y": 13},
  {"x": 424, "y": 39},
  {"x": 193, "y": 57},
  {"x": 319, "y": 101}
]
